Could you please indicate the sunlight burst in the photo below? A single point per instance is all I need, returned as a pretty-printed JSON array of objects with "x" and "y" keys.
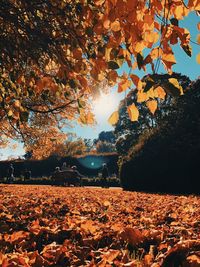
[{"x": 105, "y": 105}]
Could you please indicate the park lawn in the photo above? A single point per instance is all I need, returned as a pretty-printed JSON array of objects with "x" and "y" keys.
[{"x": 58, "y": 226}]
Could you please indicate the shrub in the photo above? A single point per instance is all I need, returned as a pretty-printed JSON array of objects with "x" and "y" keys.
[{"x": 167, "y": 159}]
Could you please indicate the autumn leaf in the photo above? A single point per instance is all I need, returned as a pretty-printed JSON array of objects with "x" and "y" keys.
[
  {"x": 110, "y": 255},
  {"x": 187, "y": 49},
  {"x": 136, "y": 80},
  {"x": 133, "y": 112},
  {"x": 115, "y": 26},
  {"x": 149, "y": 83},
  {"x": 198, "y": 58},
  {"x": 168, "y": 60},
  {"x": 140, "y": 60},
  {"x": 152, "y": 105},
  {"x": 132, "y": 235},
  {"x": 198, "y": 38},
  {"x": 173, "y": 87},
  {"x": 113, "y": 119},
  {"x": 124, "y": 85},
  {"x": 113, "y": 65},
  {"x": 107, "y": 54},
  {"x": 156, "y": 53},
  {"x": 142, "y": 97},
  {"x": 106, "y": 24},
  {"x": 159, "y": 92},
  {"x": 89, "y": 226},
  {"x": 10, "y": 113}
]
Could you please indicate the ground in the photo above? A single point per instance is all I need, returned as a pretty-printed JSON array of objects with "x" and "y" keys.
[{"x": 57, "y": 226}]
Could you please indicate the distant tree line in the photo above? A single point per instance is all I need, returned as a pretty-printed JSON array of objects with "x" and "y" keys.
[{"x": 45, "y": 167}]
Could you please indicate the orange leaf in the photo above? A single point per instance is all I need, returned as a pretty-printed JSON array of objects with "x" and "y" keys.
[
  {"x": 168, "y": 60},
  {"x": 198, "y": 38},
  {"x": 135, "y": 79},
  {"x": 110, "y": 255},
  {"x": 198, "y": 58},
  {"x": 151, "y": 37},
  {"x": 124, "y": 85},
  {"x": 152, "y": 105},
  {"x": 156, "y": 52},
  {"x": 77, "y": 53},
  {"x": 132, "y": 235},
  {"x": 159, "y": 92},
  {"x": 133, "y": 112},
  {"x": 141, "y": 97},
  {"x": 106, "y": 24},
  {"x": 115, "y": 26}
]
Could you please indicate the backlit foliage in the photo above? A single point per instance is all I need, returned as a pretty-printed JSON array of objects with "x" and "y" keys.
[{"x": 55, "y": 54}]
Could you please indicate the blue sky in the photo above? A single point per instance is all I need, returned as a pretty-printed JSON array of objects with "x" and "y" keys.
[{"x": 185, "y": 65}]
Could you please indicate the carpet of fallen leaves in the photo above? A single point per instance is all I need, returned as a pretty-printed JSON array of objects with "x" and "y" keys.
[{"x": 57, "y": 226}]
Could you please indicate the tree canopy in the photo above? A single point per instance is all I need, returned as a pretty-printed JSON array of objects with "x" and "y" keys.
[
  {"x": 127, "y": 132},
  {"x": 167, "y": 157},
  {"x": 55, "y": 55}
]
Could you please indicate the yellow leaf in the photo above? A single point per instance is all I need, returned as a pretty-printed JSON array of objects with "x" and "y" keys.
[
  {"x": 113, "y": 119},
  {"x": 176, "y": 84},
  {"x": 179, "y": 12},
  {"x": 159, "y": 92},
  {"x": 139, "y": 46},
  {"x": 151, "y": 37},
  {"x": 152, "y": 105},
  {"x": 173, "y": 87},
  {"x": 156, "y": 52},
  {"x": 137, "y": 82},
  {"x": 107, "y": 53},
  {"x": 141, "y": 97},
  {"x": 151, "y": 93},
  {"x": 115, "y": 26},
  {"x": 133, "y": 112},
  {"x": 198, "y": 58},
  {"x": 10, "y": 113},
  {"x": 169, "y": 58}
]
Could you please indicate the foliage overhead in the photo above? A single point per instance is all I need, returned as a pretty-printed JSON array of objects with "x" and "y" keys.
[{"x": 56, "y": 54}]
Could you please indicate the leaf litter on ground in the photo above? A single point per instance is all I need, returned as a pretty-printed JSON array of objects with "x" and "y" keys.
[{"x": 73, "y": 226}]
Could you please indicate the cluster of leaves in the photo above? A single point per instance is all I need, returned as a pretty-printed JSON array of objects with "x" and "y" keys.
[
  {"x": 48, "y": 226},
  {"x": 127, "y": 132},
  {"x": 77, "y": 45}
]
